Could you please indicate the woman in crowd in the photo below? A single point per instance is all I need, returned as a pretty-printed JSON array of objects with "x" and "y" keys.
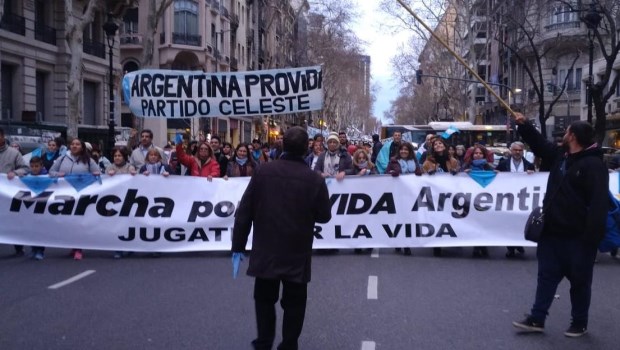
[
  {"x": 317, "y": 150},
  {"x": 120, "y": 165},
  {"x": 478, "y": 162},
  {"x": 439, "y": 161},
  {"x": 154, "y": 164},
  {"x": 52, "y": 153},
  {"x": 120, "y": 162},
  {"x": 362, "y": 164},
  {"x": 405, "y": 162},
  {"x": 203, "y": 164},
  {"x": 241, "y": 164},
  {"x": 76, "y": 161}
]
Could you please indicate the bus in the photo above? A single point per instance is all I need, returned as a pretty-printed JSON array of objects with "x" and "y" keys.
[{"x": 468, "y": 134}]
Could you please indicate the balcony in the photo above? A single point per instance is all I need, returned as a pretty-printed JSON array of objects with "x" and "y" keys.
[
  {"x": 186, "y": 39},
  {"x": 44, "y": 33},
  {"x": 13, "y": 23},
  {"x": 563, "y": 25},
  {"x": 215, "y": 6},
  {"x": 234, "y": 22},
  {"x": 93, "y": 48},
  {"x": 131, "y": 39},
  {"x": 233, "y": 63},
  {"x": 224, "y": 12}
]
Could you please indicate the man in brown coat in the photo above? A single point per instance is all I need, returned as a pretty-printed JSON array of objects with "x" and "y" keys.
[{"x": 282, "y": 202}]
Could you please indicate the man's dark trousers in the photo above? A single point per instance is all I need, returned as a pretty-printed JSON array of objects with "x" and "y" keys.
[
  {"x": 294, "y": 296},
  {"x": 560, "y": 257}
]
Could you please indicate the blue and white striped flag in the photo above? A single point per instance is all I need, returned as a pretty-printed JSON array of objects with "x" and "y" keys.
[{"x": 451, "y": 130}]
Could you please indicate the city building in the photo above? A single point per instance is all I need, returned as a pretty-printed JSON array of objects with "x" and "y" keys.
[{"x": 207, "y": 35}]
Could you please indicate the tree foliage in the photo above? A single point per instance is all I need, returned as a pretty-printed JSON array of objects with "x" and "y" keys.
[{"x": 331, "y": 42}]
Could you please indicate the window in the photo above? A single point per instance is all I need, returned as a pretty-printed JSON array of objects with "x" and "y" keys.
[
  {"x": 563, "y": 14},
  {"x": 90, "y": 103},
  {"x": 7, "y": 73},
  {"x": 130, "y": 22},
  {"x": 186, "y": 17},
  {"x": 213, "y": 35},
  {"x": 42, "y": 78},
  {"x": 573, "y": 83}
]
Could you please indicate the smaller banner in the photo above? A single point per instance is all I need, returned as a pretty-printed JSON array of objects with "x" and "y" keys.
[{"x": 192, "y": 94}]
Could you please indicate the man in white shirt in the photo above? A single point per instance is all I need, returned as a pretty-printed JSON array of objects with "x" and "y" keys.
[
  {"x": 138, "y": 155},
  {"x": 515, "y": 163}
]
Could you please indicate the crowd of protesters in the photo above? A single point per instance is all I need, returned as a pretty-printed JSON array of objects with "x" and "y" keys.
[{"x": 332, "y": 157}]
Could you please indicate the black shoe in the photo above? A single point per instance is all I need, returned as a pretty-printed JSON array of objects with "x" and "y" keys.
[
  {"x": 476, "y": 253},
  {"x": 19, "y": 252},
  {"x": 484, "y": 251},
  {"x": 357, "y": 251},
  {"x": 614, "y": 253},
  {"x": 407, "y": 251},
  {"x": 396, "y": 250},
  {"x": 510, "y": 254},
  {"x": 437, "y": 252},
  {"x": 521, "y": 250},
  {"x": 575, "y": 331},
  {"x": 529, "y": 325}
]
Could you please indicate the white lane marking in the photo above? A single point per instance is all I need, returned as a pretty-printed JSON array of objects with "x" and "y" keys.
[
  {"x": 375, "y": 253},
  {"x": 368, "y": 345},
  {"x": 72, "y": 279},
  {"x": 373, "y": 282}
]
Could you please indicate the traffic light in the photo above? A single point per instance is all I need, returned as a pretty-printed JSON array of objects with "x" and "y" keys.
[{"x": 418, "y": 76}]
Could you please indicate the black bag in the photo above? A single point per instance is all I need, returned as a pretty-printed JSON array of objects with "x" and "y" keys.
[{"x": 534, "y": 225}]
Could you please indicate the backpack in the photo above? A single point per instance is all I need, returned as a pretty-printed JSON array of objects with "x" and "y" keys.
[{"x": 611, "y": 241}]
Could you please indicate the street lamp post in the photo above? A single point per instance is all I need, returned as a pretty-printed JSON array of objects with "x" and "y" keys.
[
  {"x": 110, "y": 29},
  {"x": 592, "y": 19}
]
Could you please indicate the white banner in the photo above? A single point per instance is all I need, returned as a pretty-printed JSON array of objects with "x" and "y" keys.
[
  {"x": 138, "y": 213},
  {"x": 189, "y": 94}
]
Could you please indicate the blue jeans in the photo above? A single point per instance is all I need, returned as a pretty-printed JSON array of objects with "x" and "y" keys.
[{"x": 560, "y": 257}]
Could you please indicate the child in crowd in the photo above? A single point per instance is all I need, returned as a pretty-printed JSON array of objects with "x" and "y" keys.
[
  {"x": 36, "y": 169},
  {"x": 154, "y": 164}
]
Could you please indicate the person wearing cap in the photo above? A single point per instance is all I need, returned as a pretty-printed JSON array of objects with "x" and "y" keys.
[
  {"x": 283, "y": 232},
  {"x": 336, "y": 161}
]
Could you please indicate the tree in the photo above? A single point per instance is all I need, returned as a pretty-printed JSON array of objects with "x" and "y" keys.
[
  {"x": 522, "y": 39},
  {"x": 74, "y": 35},
  {"x": 606, "y": 36},
  {"x": 75, "y": 24},
  {"x": 347, "y": 98},
  {"x": 449, "y": 20},
  {"x": 156, "y": 13}
]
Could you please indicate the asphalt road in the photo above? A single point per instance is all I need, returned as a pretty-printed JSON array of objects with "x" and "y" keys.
[{"x": 190, "y": 301}]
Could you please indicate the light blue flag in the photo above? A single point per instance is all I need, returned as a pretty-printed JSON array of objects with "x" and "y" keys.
[
  {"x": 451, "y": 130},
  {"x": 383, "y": 158},
  {"x": 482, "y": 177},
  {"x": 81, "y": 181},
  {"x": 37, "y": 184}
]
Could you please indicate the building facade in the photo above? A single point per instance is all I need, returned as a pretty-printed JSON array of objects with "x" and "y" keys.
[{"x": 208, "y": 35}]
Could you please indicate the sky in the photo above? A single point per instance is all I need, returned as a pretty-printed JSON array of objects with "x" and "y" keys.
[{"x": 381, "y": 45}]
